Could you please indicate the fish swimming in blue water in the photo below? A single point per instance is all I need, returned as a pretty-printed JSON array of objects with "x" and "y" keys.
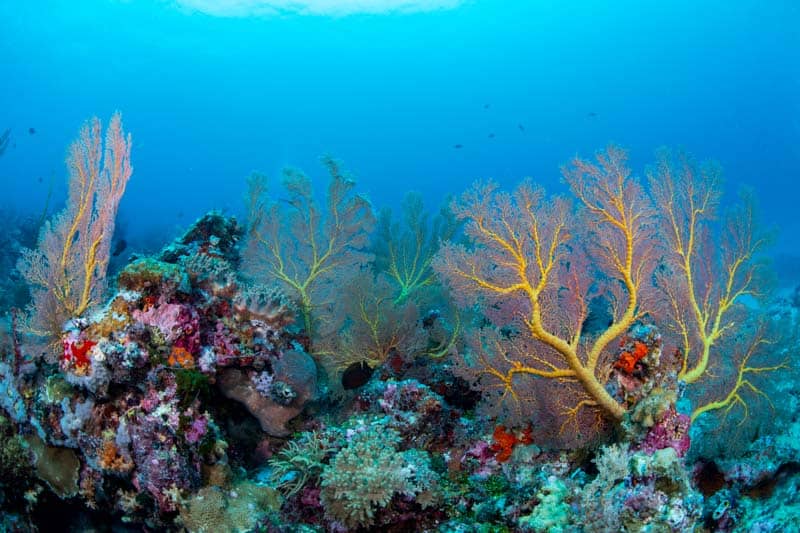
[{"x": 4, "y": 139}]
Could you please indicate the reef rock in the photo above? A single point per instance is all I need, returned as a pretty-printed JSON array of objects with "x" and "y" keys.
[{"x": 294, "y": 383}]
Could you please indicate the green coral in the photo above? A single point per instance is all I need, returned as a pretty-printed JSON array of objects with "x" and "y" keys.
[
  {"x": 191, "y": 384},
  {"x": 496, "y": 485},
  {"x": 15, "y": 456},
  {"x": 405, "y": 247},
  {"x": 299, "y": 462},
  {"x": 553, "y": 512},
  {"x": 151, "y": 276},
  {"x": 57, "y": 388},
  {"x": 367, "y": 473}
]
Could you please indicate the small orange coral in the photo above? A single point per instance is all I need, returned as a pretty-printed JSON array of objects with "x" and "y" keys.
[
  {"x": 627, "y": 360},
  {"x": 503, "y": 443},
  {"x": 149, "y": 301},
  {"x": 108, "y": 458},
  {"x": 180, "y": 357}
]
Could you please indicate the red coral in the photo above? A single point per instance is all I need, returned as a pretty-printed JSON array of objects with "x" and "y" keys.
[
  {"x": 627, "y": 360},
  {"x": 527, "y": 436},
  {"x": 149, "y": 301},
  {"x": 503, "y": 443},
  {"x": 76, "y": 355}
]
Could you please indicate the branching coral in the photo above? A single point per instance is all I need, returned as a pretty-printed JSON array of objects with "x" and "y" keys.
[
  {"x": 708, "y": 273},
  {"x": 743, "y": 381},
  {"x": 404, "y": 250},
  {"x": 375, "y": 326},
  {"x": 308, "y": 249},
  {"x": 367, "y": 473},
  {"x": 67, "y": 272},
  {"x": 529, "y": 266}
]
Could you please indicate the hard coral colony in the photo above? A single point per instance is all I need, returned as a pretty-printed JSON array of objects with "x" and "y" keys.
[{"x": 504, "y": 366}]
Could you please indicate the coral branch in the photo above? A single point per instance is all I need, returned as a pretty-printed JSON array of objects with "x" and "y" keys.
[
  {"x": 529, "y": 268},
  {"x": 743, "y": 381},
  {"x": 67, "y": 272},
  {"x": 703, "y": 282},
  {"x": 405, "y": 251},
  {"x": 306, "y": 251},
  {"x": 710, "y": 269}
]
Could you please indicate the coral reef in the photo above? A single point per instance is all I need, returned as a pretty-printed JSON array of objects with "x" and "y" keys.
[
  {"x": 127, "y": 406},
  {"x": 549, "y": 372}
]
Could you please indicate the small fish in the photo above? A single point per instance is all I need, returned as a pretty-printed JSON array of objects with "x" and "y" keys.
[
  {"x": 521, "y": 127},
  {"x": 486, "y": 106},
  {"x": 430, "y": 318},
  {"x": 356, "y": 375},
  {"x": 591, "y": 114},
  {"x": 119, "y": 247},
  {"x": 31, "y": 131},
  {"x": 491, "y": 135},
  {"x": 40, "y": 179},
  {"x": 4, "y": 138},
  {"x": 458, "y": 146}
]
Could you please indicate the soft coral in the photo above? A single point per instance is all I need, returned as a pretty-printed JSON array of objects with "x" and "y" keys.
[
  {"x": 76, "y": 354},
  {"x": 504, "y": 441},
  {"x": 628, "y": 359}
]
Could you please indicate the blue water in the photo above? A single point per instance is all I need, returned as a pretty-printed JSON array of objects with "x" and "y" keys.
[
  {"x": 209, "y": 98},
  {"x": 425, "y": 95}
]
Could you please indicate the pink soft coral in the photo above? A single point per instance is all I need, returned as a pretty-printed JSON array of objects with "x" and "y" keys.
[{"x": 671, "y": 431}]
